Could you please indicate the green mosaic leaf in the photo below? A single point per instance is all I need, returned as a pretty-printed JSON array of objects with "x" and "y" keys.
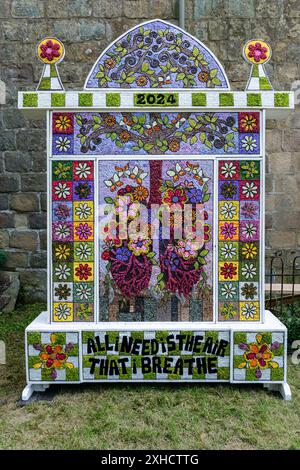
[{"x": 30, "y": 100}]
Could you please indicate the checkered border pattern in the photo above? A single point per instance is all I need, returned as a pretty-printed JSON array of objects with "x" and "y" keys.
[
  {"x": 223, "y": 363},
  {"x": 239, "y": 267},
  {"x": 43, "y": 374},
  {"x": 75, "y": 305},
  {"x": 266, "y": 99},
  {"x": 267, "y": 375}
]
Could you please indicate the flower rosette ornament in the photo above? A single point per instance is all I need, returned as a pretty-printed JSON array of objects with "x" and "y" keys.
[
  {"x": 258, "y": 356},
  {"x": 53, "y": 356},
  {"x": 50, "y": 51},
  {"x": 257, "y": 53}
]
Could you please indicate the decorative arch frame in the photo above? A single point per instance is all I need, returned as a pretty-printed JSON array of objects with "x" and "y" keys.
[{"x": 197, "y": 48}]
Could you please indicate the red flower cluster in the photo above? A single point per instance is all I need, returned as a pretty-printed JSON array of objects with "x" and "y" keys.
[{"x": 50, "y": 50}]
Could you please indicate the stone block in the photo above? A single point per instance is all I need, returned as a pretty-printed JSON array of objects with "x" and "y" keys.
[
  {"x": 208, "y": 9},
  {"x": 91, "y": 30},
  {"x": 136, "y": 9},
  {"x": 38, "y": 220},
  {"x": 38, "y": 259},
  {"x": 43, "y": 239},
  {"x": 24, "y": 202},
  {"x": 218, "y": 30},
  {"x": 3, "y": 202},
  {"x": 34, "y": 285},
  {"x": 5, "y": 9},
  {"x": 4, "y": 238},
  {"x": 280, "y": 163},
  {"x": 70, "y": 8},
  {"x": 31, "y": 140},
  {"x": 20, "y": 221},
  {"x": 274, "y": 141},
  {"x": 33, "y": 182},
  {"x": 9, "y": 290},
  {"x": 67, "y": 30},
  {"x": 17, "y": 161},
  {"x": 269, "y": 184},
  {"x": 6, "y": 220},
  {"x": 13, "y": 119},
  {"x": 16, "y": 259},
  {"x": 107, "y": 9},
  {"x": 27, "y": 9},
  {"x": 291, "y": 140},
  {"x": 238, "y": 8},
  {"x": 280, "y": 239},
  {"x": 43, "y": 201},
  {"x": 7, "y": 141},
  {"x": 24, "y": 239}
]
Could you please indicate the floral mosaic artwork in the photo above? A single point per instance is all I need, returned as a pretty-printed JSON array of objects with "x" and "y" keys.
[
  {"x": 258, "y": 356},
  {"x": 157, "y": 54},
  {"x": 72, "y": 239},
  {"x": 156, "y": 133},
  {"x": 173, "y": 355},
  {"x": 53, "y": 356},
  {"x": 168, "y": 268},
  {"x": 239, "y": 235}
]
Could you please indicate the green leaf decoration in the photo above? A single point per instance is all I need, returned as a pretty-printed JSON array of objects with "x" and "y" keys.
[
  {"x": 109, "y": 200},
  {"x": 180, "y": 76}
]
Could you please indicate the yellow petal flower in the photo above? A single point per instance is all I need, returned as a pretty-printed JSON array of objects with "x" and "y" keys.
[
  {"x": 274, "y": 364},
  {"x": 53, "y": 338},
  {"x": 242, "y": 365},
  {"x": 258, "y": 337},
  {"x": 69, "y": 365},
  {"x": 38, "y": 365}
]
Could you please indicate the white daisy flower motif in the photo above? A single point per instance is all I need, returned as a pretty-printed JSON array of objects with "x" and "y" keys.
[
  {"x": 62, "y": 191},
  {"x": 83, "y": 170},
  {"x": 83, "y": 211},
  {"x": 228, "y": 170},
  {"x": 228, "y": 251},
  {"x": 83, "y": 291},
  {"x": 249, "y": 230},
  {"x": 63, "y": 144},
  {"x": 249, "y": 271},
  {"x": 228, "y": 210},
  {"x": 62, "y": 271},
  {"x": 83, "y": 251},
  {"x": 249, "y": 189},
  {"x": 62, "y": 311},
  {"x": 249, "y": 311},
  {"x": 62, "y": 231},
  {"x": 228, "y": 291},
  {"x": 249, "y": 143}
]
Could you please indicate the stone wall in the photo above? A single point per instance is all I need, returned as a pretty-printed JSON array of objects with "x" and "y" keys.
[{"x": 86, "y": 27}]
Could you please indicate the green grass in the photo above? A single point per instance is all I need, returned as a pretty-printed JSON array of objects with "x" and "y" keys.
[{"x": 128, "y": 416}]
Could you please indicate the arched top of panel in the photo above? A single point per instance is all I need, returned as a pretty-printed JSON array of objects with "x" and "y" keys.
[{"x": 157, "y": 54}]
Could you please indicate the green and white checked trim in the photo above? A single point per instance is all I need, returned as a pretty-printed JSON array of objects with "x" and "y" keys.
[
  {"x": 43, "y": 374},
  {"x": 223, "y": 363},
  {"x": 246, "y": 374},
  {"x": 187, "y": 99},
  {"x": 50, "y": 79},
  {"x": 258, "y": 79}
]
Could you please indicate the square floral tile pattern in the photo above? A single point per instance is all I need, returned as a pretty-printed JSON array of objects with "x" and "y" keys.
[
  {"x": 73, "y": 240},
  {"x": 238, "y": 244}
]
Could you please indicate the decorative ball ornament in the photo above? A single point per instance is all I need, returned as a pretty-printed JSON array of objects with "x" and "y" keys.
[
  {"x": 257, "y": 52},
  {"x": 51, "y": 51}
]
